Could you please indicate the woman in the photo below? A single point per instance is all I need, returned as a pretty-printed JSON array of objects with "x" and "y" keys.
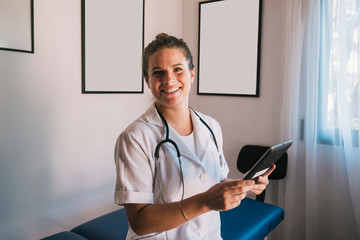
[{"x": 173, "y": 189}]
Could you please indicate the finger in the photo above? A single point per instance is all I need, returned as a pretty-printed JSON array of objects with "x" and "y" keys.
[
  {"x": 240, "y": 183},
  {"x": 241, "y": 191},
  {"x": 232, "y": 205},
  {"x": 258, "y": 190},
  {"x": 270, "y": 170},
  {"x": 259, "y": 187},
  {"x": 238, "y": 198},
  {"x": 261, "y": 180}
]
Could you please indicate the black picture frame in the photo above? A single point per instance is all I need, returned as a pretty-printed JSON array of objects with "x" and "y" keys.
[
  {"x": 113, "y": 26},
  {"x": 21, "y": 23},
  {"x": 220, "y": 24}
]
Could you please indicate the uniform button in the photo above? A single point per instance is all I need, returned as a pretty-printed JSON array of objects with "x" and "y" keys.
[
  {"x": 203, "y": 176},
  {"x": 202, "y": 233}
]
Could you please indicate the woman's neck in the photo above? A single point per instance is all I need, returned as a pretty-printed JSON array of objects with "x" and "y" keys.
[{"x": 178, "y": 117}]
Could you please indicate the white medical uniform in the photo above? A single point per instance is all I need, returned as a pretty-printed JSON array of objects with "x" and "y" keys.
[{"x": 135, "y": 167}]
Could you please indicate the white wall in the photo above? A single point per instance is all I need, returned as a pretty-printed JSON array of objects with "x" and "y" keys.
[
  {"x": 56, "y": 144},
  {"x": 244, "y": 120}
]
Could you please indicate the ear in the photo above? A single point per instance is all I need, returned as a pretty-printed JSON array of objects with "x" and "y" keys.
[
  {"x": 147, "y": 82},
  {"x": 192, "y": 75}
]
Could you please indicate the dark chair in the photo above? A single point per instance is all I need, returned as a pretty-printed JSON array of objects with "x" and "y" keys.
[{"x": 250, "y": 154}]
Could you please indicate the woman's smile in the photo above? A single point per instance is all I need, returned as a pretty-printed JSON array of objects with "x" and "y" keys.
[{"x": 171, "y": 90}]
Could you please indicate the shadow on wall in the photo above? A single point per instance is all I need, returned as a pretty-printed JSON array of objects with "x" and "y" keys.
[{"x": 24, "y": 146}]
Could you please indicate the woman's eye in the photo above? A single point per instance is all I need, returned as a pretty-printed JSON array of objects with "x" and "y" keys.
[
  {"x": 177, "y": 69},
  {"x": 157, "y": 73}
]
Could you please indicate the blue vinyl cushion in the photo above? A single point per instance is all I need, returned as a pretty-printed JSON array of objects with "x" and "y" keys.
[
  {"x": 111, "y": 226},
  {"x": 252, "y": 220},
  {"x": 65, "y": 235}
]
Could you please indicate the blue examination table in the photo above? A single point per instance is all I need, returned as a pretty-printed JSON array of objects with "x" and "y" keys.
[{"x": 252, "y": 220}]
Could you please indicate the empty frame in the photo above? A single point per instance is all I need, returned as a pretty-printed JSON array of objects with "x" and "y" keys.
[
  {"x": 229, "y": 47},
  {"x": 17, "y": 25},
  {"x": 112, "y": 45}
]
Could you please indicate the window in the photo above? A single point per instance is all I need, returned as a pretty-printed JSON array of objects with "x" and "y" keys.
[{"x": 339, "y": 73}]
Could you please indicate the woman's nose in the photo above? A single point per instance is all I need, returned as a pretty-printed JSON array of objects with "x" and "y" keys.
[{"x": 169, "y": 77}]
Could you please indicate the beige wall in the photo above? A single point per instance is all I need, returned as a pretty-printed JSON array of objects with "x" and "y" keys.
[{"x": 56, "y": 144}]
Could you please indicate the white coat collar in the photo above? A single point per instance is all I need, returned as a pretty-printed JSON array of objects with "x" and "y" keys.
[
  {"x": 203, "y": 136},
  {"x": 151, "y": 116}
]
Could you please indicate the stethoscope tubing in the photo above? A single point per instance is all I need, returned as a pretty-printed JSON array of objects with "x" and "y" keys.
[
  {"x": 208, "y": 127},
  {"x": 168, "y": 140}
]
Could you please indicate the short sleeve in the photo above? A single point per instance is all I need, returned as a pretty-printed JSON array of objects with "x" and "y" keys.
[{"x": 134, "y": 174}]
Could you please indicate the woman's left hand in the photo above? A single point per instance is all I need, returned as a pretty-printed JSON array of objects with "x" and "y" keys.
[{"x": 262, "y": 181}]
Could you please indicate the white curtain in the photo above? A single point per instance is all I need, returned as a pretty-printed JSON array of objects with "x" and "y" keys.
[
  {"x": 344, "y": 90},
  {"x": 321, "y": 193}
]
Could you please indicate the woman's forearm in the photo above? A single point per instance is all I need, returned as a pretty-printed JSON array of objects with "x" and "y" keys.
[{"x": 151, "y": 218}]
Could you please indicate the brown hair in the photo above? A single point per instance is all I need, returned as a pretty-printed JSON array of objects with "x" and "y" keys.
[{"x": 162, "y": 41}]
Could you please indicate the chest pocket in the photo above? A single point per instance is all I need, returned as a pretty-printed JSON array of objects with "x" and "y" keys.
[{"x": 219, "y": 164}]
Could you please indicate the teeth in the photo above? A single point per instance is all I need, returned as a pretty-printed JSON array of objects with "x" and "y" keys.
[{"x": 171, "y": 90}]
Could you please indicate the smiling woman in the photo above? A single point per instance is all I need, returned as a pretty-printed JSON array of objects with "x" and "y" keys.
[{"x": 169, "y": 162}]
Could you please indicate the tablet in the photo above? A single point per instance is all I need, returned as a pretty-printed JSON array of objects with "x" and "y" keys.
[{"x": 267, "y": 160}]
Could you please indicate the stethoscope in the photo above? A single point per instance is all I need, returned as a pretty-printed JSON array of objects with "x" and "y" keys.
[{"x": 170, "y": 141}]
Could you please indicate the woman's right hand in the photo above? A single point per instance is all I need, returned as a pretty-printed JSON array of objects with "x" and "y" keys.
[{"x": 227, "y": 194}]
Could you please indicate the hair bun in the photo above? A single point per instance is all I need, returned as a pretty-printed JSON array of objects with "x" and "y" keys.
[{"x": 162, "y": 35}]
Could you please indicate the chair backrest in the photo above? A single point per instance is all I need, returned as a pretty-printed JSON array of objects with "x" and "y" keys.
[{"x": 250, "y": 154}]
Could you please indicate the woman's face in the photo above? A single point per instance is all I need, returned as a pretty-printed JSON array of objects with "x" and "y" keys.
[{"x": 169, "y": 78}]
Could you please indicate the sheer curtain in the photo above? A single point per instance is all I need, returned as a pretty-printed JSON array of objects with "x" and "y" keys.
[
  {"x": 320, "y": 111},
  {"x": 343, "y": 89}
]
